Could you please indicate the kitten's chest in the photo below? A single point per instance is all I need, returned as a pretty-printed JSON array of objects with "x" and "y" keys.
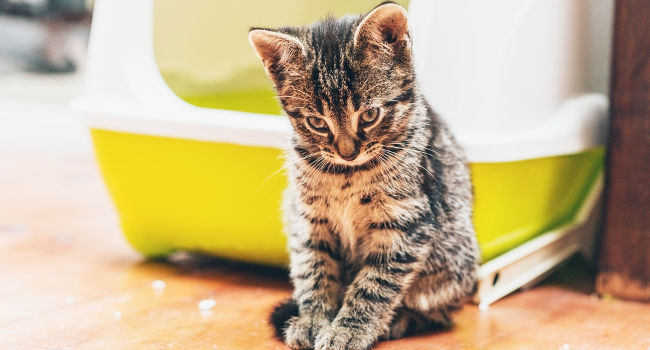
[
  {"x": 352, "y": 204},
  {"x": 348, "y": 217}
]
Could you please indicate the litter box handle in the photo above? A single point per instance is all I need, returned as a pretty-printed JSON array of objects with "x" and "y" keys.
[{"x": 121, "y": 60}]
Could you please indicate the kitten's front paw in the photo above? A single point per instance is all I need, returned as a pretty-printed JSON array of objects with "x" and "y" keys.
[
  {"x": 343, "y": 338},
  {"x": 302, "y": 331}
]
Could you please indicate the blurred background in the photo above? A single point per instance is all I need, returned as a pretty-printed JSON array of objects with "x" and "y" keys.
[{"x": 42, "y": 53}]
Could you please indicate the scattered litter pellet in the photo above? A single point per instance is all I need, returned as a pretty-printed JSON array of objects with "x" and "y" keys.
[
  {"x": 63, "y": 240},
  {"x": 565, "y": 347},
  {"x": 207, "y": 304},
  {"x": 158, "y": 285},
  {"x": 117, "y": 315}
]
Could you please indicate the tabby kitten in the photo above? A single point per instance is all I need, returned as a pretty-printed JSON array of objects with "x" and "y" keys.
[{"x": 379, "y": 204}]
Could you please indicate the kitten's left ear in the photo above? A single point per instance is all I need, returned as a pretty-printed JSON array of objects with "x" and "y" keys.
[
  {"x": 280, "y": 52},
  {"x": 385, "y": 28}
]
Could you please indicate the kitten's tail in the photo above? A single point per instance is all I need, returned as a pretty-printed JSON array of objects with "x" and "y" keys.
[{"x": 281, "y": 314}]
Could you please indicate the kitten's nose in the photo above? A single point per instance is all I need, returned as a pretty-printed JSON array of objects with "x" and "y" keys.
[{"x": 347, "y": 148}]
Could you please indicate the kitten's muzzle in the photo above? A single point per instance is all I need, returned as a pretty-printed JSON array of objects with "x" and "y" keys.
[{"x": 348, "y": 148}]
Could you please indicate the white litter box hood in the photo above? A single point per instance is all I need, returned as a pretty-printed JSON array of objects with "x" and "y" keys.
[{"x": 516, "y": 79}]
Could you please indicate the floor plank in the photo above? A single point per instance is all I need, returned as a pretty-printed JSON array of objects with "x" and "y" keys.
[{"x": 70, "y": 281}]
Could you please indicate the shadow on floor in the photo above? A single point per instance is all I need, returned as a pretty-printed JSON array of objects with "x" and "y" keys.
[
  {"x": 575, "y": 275},
  {"x": 207, "y": 267}
]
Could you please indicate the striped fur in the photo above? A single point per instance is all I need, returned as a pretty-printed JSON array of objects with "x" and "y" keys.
[{"x": 381, "y": 244}]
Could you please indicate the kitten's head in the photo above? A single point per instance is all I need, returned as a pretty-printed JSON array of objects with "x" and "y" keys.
[{"x": 347, "y": 84}]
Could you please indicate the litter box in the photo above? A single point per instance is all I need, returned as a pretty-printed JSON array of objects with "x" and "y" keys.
[{"x": 193, "y": 166}]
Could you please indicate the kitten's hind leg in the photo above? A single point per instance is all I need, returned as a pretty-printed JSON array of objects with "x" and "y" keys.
[
  {"x": 408, "y": 322},
  {"x": 429, "y": 304},
  {"x": 405, "y": 322}
]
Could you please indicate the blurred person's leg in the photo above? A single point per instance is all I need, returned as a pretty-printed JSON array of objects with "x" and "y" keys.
[{"x": 65, "y": 16}]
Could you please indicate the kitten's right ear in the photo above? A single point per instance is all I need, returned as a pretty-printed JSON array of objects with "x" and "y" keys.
[
  {"x": 279, "y": 52},
  {"x": 384, "y": 29}
]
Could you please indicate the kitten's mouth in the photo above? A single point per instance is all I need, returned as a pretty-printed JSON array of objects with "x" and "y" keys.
[
  {"x": 362, "y": 159},
  {"x": 359, "y": 160}
]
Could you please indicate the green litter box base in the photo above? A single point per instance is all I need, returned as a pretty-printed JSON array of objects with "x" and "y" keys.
[{"x": 224, "y": 199}]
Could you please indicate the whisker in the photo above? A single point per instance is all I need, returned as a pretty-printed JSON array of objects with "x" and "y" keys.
[
  {"x": 286, "y": 167},
  {"x": 423, "y": 151},
  {"x": 419, "y": 165}
]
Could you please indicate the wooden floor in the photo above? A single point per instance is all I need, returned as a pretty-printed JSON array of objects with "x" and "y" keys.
[{"x": 68, "y": 280}]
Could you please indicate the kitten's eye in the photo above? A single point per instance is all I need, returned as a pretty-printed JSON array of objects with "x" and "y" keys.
[
  {"x": 317, "y": 124},
  {"x": 369, "y": 116}
]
